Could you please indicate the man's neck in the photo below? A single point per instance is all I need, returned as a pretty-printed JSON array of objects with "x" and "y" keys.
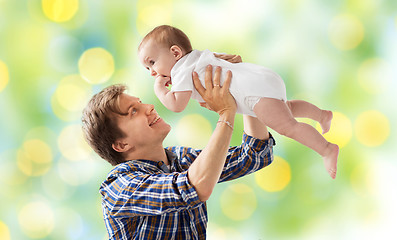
[{"x": 155, "y": 153}]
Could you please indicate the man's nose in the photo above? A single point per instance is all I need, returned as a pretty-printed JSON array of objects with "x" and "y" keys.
[{"x": 149, "y": 108}]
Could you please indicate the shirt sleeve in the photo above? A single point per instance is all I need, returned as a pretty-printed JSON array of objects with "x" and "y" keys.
[
  {"x": 253, "y": 154},
  {"x": 133, "y": 194},
  {"x": 182, "y": 79}
]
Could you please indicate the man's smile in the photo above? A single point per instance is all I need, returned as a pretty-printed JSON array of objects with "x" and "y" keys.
[{"x": 155, "y": 120}]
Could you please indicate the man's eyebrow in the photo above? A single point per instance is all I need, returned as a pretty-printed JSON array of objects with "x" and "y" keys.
[
  {"x": 132, "y": 105},
  {"x": 122, "y": 113}
]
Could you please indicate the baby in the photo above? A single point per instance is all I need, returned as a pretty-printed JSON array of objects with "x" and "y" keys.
[{"x": 167, "y": 53}]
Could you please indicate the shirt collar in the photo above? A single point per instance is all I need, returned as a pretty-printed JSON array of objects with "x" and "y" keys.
[{"x": 133, "y": 165}]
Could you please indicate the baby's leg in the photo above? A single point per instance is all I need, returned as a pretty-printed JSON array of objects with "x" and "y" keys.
[
  {"x": 278, "y": 116},
  {"x": 300, "y": 108}
]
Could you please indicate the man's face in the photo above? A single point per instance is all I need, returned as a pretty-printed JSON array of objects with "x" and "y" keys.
[
  {"x": 158, "y": 59},
  {"x": 141, "y": 125}
]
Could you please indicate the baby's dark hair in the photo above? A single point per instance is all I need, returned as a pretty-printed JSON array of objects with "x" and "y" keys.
[{"x": 168, "y": 36}]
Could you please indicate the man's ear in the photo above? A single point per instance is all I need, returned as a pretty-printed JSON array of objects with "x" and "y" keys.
[
  {"x": 176, "y": 52},
  {"x": 120, "y": 146}
]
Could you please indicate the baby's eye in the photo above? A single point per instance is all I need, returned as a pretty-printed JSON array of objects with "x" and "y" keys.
[{"x": 151, "y": 62}]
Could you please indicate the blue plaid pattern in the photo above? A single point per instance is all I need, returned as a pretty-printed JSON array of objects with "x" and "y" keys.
[{"x": 143, "y": 200}]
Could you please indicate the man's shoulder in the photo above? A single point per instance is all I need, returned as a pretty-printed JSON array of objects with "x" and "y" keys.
[
  {"x": 132, "y": 167},
  {"x": 121, "y": 168},
  {"x": 124, "y": 173}
]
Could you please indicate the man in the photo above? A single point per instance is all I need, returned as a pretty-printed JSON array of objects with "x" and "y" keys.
[{"x": 159, "y": 193}]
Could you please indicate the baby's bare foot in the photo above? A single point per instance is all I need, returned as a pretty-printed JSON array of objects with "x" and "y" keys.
[
  {"x": 326, "y": 117},
  {"x": 331, "y": 159}
]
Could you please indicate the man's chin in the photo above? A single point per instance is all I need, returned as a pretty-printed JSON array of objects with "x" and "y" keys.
[
  {"x": 166, "y": 132},
  {"x": 166, "y": 126}
]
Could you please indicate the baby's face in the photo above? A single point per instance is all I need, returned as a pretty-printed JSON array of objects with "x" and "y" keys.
[{"x": 158, "y": 59}]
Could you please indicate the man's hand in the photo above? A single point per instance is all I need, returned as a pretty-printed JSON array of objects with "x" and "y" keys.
[
  {"x": 216, "y": 97},
  {"x": 206, "y": 170},
  {"x": 229, "y": 57}
]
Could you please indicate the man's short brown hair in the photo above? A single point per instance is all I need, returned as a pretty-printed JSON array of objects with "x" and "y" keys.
[
  {"x": 168, "y": 36},
  {"x": 99, "y": 123}
]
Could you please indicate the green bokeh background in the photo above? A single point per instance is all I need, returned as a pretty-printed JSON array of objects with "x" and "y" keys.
[{"x": 340, "y": 55}]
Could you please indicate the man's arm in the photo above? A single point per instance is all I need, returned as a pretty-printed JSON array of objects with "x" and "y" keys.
[
  {"x": 256, "y": 150},
  {"x": 205, "y": 171},
  {"x": 252, "y": 155},
  {"x": 255, "y": 128}
]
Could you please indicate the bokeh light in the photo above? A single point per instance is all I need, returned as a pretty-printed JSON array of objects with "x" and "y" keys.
[
  {"x": 63, "y": 53},
  {"x": 316, "y": 179},
  {"x": 382, "y": 186},
  {"x": 220, "y": 233},
  {"x": 4, "y": 231},
  {"x": 362, "y": 180},
  {"x": 375, "y": 76},
  {"x": 11, "y": 176},
  {"x": 74, "y": 224},
  {"x": 152, "y": 14},
  {"x": 198, "y": 128},
  {"x": 70, "y": 97},
  {"x": 77, "y": 166},
  {"x": 372, "y": 128},
  {"x": 96, "y": 65},
  {"x": 76, "y": 173},
  {"x": 36, "y": 219},
  {"x": 54, "y": 186},
  {"x": 4, "y": 77},
  {"x": 72, "y": 145},
  {"x": 35, "y": 157},
  {"x": 274, "y": 177},
  {"x": 341, "y": 130},
  {"x": 60, "y": 10},
  {"x": 346, "y": 32},
  {"x": 44, "y": 134},
  {"x": 238, "y": 201}
]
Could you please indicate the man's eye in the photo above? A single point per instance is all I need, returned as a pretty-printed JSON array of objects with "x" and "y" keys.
[{"x": 133, "y": 111}]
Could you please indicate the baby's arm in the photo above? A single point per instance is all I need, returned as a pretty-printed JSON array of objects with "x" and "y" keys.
[{"x": 174, "y": 101}]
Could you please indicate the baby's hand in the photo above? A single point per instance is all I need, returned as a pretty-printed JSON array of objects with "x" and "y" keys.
[{"x": 163, "y": 81}]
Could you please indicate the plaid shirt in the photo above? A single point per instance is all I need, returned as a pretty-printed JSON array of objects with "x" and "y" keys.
[{"x": 144, "y": 199}]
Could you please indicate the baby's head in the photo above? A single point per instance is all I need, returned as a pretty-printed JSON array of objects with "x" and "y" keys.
[{"x": 161, "y": 48}]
